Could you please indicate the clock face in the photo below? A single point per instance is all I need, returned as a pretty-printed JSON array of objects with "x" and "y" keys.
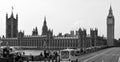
[{"x": 110, "y": 21}]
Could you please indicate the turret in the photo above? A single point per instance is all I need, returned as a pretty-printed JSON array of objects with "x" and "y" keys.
[
  {"x": 84, "y": 32},
  {"x": 94, "y": 33},
  {"x": 6, "y": 16},
  {"x": 50, "y": 34},
  {"x": 17, "y": 17},
  {"x": 35, "y": 31},
  {"x": 21, "y": 34}
]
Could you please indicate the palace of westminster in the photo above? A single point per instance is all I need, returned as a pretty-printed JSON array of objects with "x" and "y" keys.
[{"x": 74, "y": 39}]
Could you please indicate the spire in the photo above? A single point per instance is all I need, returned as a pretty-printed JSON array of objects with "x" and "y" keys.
[
  {"x": 36, "y": 29},
  {"x": 110, "y": 7},
  {"x": 12, "y": 12},
  {"x": 12, "y": 8},
  {"x": 110, "y": 11},
  {"x": 44, "y": 28},
  {"x": 44, "y": 20}
]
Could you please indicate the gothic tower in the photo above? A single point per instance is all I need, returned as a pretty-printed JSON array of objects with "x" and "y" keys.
[
  {"x": 44, "y": 28},
  {"x": 11, "y": 26},
  {"x": 110, "y": 28}
]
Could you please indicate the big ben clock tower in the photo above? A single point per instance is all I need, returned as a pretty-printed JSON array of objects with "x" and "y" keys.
[{"x": 110, "y": 28}]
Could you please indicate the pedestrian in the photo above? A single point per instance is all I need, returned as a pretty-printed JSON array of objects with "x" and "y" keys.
[
  {"x": 32, "y": 57},
  {"x": 27, "y": 60},
  {"x": 76, "y": 60}
]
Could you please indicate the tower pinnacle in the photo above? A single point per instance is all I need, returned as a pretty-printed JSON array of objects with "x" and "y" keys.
[
  {"x": 45, "y": 20},
  {"x": 12, "y": 12},
  {"x": 110, "y": 10}
]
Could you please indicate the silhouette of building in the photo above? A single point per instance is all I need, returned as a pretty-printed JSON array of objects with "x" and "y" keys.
[
  {"x": 47, "y": 40},
  {"x": 110, "y": 28},
  {"x": 11, "y": 26}
]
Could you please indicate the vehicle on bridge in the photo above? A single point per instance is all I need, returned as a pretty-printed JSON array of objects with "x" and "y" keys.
[{"x": 68, "y": 55}]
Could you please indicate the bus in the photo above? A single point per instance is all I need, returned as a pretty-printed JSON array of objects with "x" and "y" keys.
[{"x": 68, "y": 55}]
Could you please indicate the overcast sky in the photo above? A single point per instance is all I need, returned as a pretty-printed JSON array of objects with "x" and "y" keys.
[{"x": 62, "y": 15}]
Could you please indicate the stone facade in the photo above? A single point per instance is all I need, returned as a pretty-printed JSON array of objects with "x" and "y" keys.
[{"x": 82, "y": 40}]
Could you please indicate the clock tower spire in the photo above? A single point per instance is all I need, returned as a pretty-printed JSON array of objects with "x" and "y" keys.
[
  {"x": 110, "y": 12},
  {"x": 110, "y": 28}
]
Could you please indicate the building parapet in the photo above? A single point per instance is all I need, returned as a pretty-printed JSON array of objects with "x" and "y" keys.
[
  {"x": 35, "y": 36},
  {"x": 74, "y": 37}
]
